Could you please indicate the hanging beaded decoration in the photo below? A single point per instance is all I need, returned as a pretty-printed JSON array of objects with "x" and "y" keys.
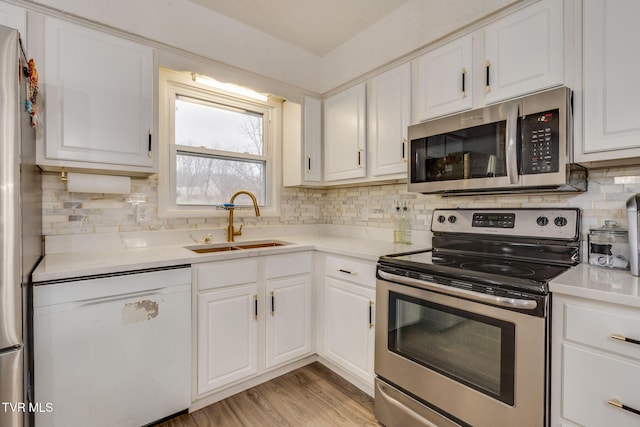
[{"x": 31, "y": 74}]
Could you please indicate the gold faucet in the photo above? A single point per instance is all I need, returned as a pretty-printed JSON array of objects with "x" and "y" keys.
[{"x": 231, "y": 232}]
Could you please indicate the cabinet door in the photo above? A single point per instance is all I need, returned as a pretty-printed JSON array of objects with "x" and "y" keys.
[
  {"x": 524, "y": 51},
  {"x": 611, "y": 60},
  {"x": 14, "y": 17},
  {"x": 389, "y": 115},
  {"x": 288, "y": 319},
  {"x": 312, "y": 138},
  {"x": 227, "y": 336},
  {"x": 344, "y": 134},
  {"x": 445, "y": 79},
  {"x": 348, "y": 327},
  {"x": 99, "y": 101},
  {"x": 301, "y": 142},
  {"x": 590, "y": 380}
]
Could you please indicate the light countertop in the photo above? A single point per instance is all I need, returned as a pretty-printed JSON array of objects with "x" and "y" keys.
[
  {"x": 598, "y": 283},
  {"x": 63, "y": 266}
]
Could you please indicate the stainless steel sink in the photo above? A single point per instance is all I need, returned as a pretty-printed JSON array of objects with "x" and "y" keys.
[{"x": 236, "y": 246}]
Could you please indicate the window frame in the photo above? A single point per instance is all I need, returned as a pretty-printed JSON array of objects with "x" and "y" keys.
[{"x": 173, "y": 84}]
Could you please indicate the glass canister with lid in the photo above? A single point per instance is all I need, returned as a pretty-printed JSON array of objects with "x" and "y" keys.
[{"x": 609, "y": 246}]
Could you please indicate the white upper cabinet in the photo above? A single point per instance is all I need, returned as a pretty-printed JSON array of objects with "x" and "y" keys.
[
  {"x": 345, "y": 134},
  {"x": 389, "y": 113},
  {"x": 611, "y": 60},
  {"x": 99, "y": 100},
  {"x": 14, "y": 17},
  {"x": 445, "y": 79},
  {"x": 302, "y": 142},
  {"x": 524, "y": 51}
]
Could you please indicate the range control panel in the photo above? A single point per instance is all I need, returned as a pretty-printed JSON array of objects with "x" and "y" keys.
[{"x": 560, "y": 223}]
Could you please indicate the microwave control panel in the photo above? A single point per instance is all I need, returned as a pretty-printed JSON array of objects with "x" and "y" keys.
[{"x": 540, "y": 142}]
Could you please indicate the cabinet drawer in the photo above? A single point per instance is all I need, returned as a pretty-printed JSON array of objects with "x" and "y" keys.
[
  {"x": 590, "y": 379},
  {"x": 595, "y": 326},
  {"x": 354, "y": 271},
  {"x": 290, "y": 264},
  {"x": 226, "y": 273}
]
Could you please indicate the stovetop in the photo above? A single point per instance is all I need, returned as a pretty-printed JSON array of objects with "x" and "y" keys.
[
  {"x": 514, "y": 274},
  {"x": 515, "y": 249}
]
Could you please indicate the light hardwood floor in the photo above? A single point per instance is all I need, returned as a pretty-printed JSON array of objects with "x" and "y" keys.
[{"x": 312, "y": 396}]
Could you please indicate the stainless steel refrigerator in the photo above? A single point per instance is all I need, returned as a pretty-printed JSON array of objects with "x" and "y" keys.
[{"x": 20, "y": 229}]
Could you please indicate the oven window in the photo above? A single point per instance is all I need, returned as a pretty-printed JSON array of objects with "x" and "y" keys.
[{"x": 475, "y": 350}]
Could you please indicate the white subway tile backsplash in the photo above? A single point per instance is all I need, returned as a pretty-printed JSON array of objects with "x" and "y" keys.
[{"x": 372, "y": 206}]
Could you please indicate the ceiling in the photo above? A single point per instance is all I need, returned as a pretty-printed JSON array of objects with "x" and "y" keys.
[{"x": 317, "y": 26}]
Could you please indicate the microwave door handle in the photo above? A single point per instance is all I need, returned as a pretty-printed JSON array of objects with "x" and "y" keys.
[{"x": 512, "y": 146}]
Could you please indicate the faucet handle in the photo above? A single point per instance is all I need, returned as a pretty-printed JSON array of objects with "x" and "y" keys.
[{"x": 239, "y": 231}]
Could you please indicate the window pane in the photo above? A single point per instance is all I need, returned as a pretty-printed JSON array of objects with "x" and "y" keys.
[
  {"x": 204, "y": 124},
  {"x": 206, "y": 180}
]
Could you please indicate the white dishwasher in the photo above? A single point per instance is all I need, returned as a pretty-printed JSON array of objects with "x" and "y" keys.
[{"x": 113, "y": 350}]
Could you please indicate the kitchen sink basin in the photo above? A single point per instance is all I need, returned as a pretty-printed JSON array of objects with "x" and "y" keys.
[{"x": 236, "y": 246}]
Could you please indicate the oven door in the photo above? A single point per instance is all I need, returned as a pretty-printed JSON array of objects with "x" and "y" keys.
[{"x": 475, "y": 364}]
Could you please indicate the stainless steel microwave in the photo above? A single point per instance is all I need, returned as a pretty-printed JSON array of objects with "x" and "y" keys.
[{"x": 523, "y": 144}]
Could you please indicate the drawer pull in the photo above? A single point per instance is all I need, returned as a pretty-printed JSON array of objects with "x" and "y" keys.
[
  {"x": 341, "y": 270},
  {"x": 625, "y": 339},
  {"x": 618, "y": 404}
]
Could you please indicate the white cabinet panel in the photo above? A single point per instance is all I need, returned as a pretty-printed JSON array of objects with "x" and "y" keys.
[
  {"x": 312, "y": 138},
  {"x": 524, "y": 51},
  {"x": 253, "y": 315},
  {"x": 445, "y": 79},
  {"x": 389, "y": 115},
  {"x": 344, "y": 134},
  {"x": 348, "y": 327},
  {"x": 302, "y": 142},
  {"x": 590, "y": 367},
  {"x": 99, "y": 98},
  {"x": 289, "y": 319},
  {"x": 611, "y": 59},
  {"x": 227, "y": 336},
  {"x": 590, "y": 380}
]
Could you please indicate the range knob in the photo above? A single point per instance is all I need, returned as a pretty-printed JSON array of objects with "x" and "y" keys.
[
  {"x": 560, "y": 221},
  {"x": 441, "y": 219},
  {"x": 542, "y": 221},
  {"x": 452, "y": 219}
]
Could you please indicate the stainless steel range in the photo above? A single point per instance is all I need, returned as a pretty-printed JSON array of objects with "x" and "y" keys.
[{"x": 462, "y": 331}]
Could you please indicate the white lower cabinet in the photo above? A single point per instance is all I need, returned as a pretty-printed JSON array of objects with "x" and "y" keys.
[
  {"x": 595, "y": 377},
  {"x": 227, "y": 336},
  {"x": 289, "y": 320},
  {"x": 348, "y": 316},
  {"x": 253, "y": 315}
]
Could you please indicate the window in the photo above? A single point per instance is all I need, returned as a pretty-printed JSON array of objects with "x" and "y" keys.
[{"x": 215, "y": 144}]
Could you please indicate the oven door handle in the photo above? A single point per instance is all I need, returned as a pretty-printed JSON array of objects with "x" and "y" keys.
[{"x": 523, "y": 304}]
